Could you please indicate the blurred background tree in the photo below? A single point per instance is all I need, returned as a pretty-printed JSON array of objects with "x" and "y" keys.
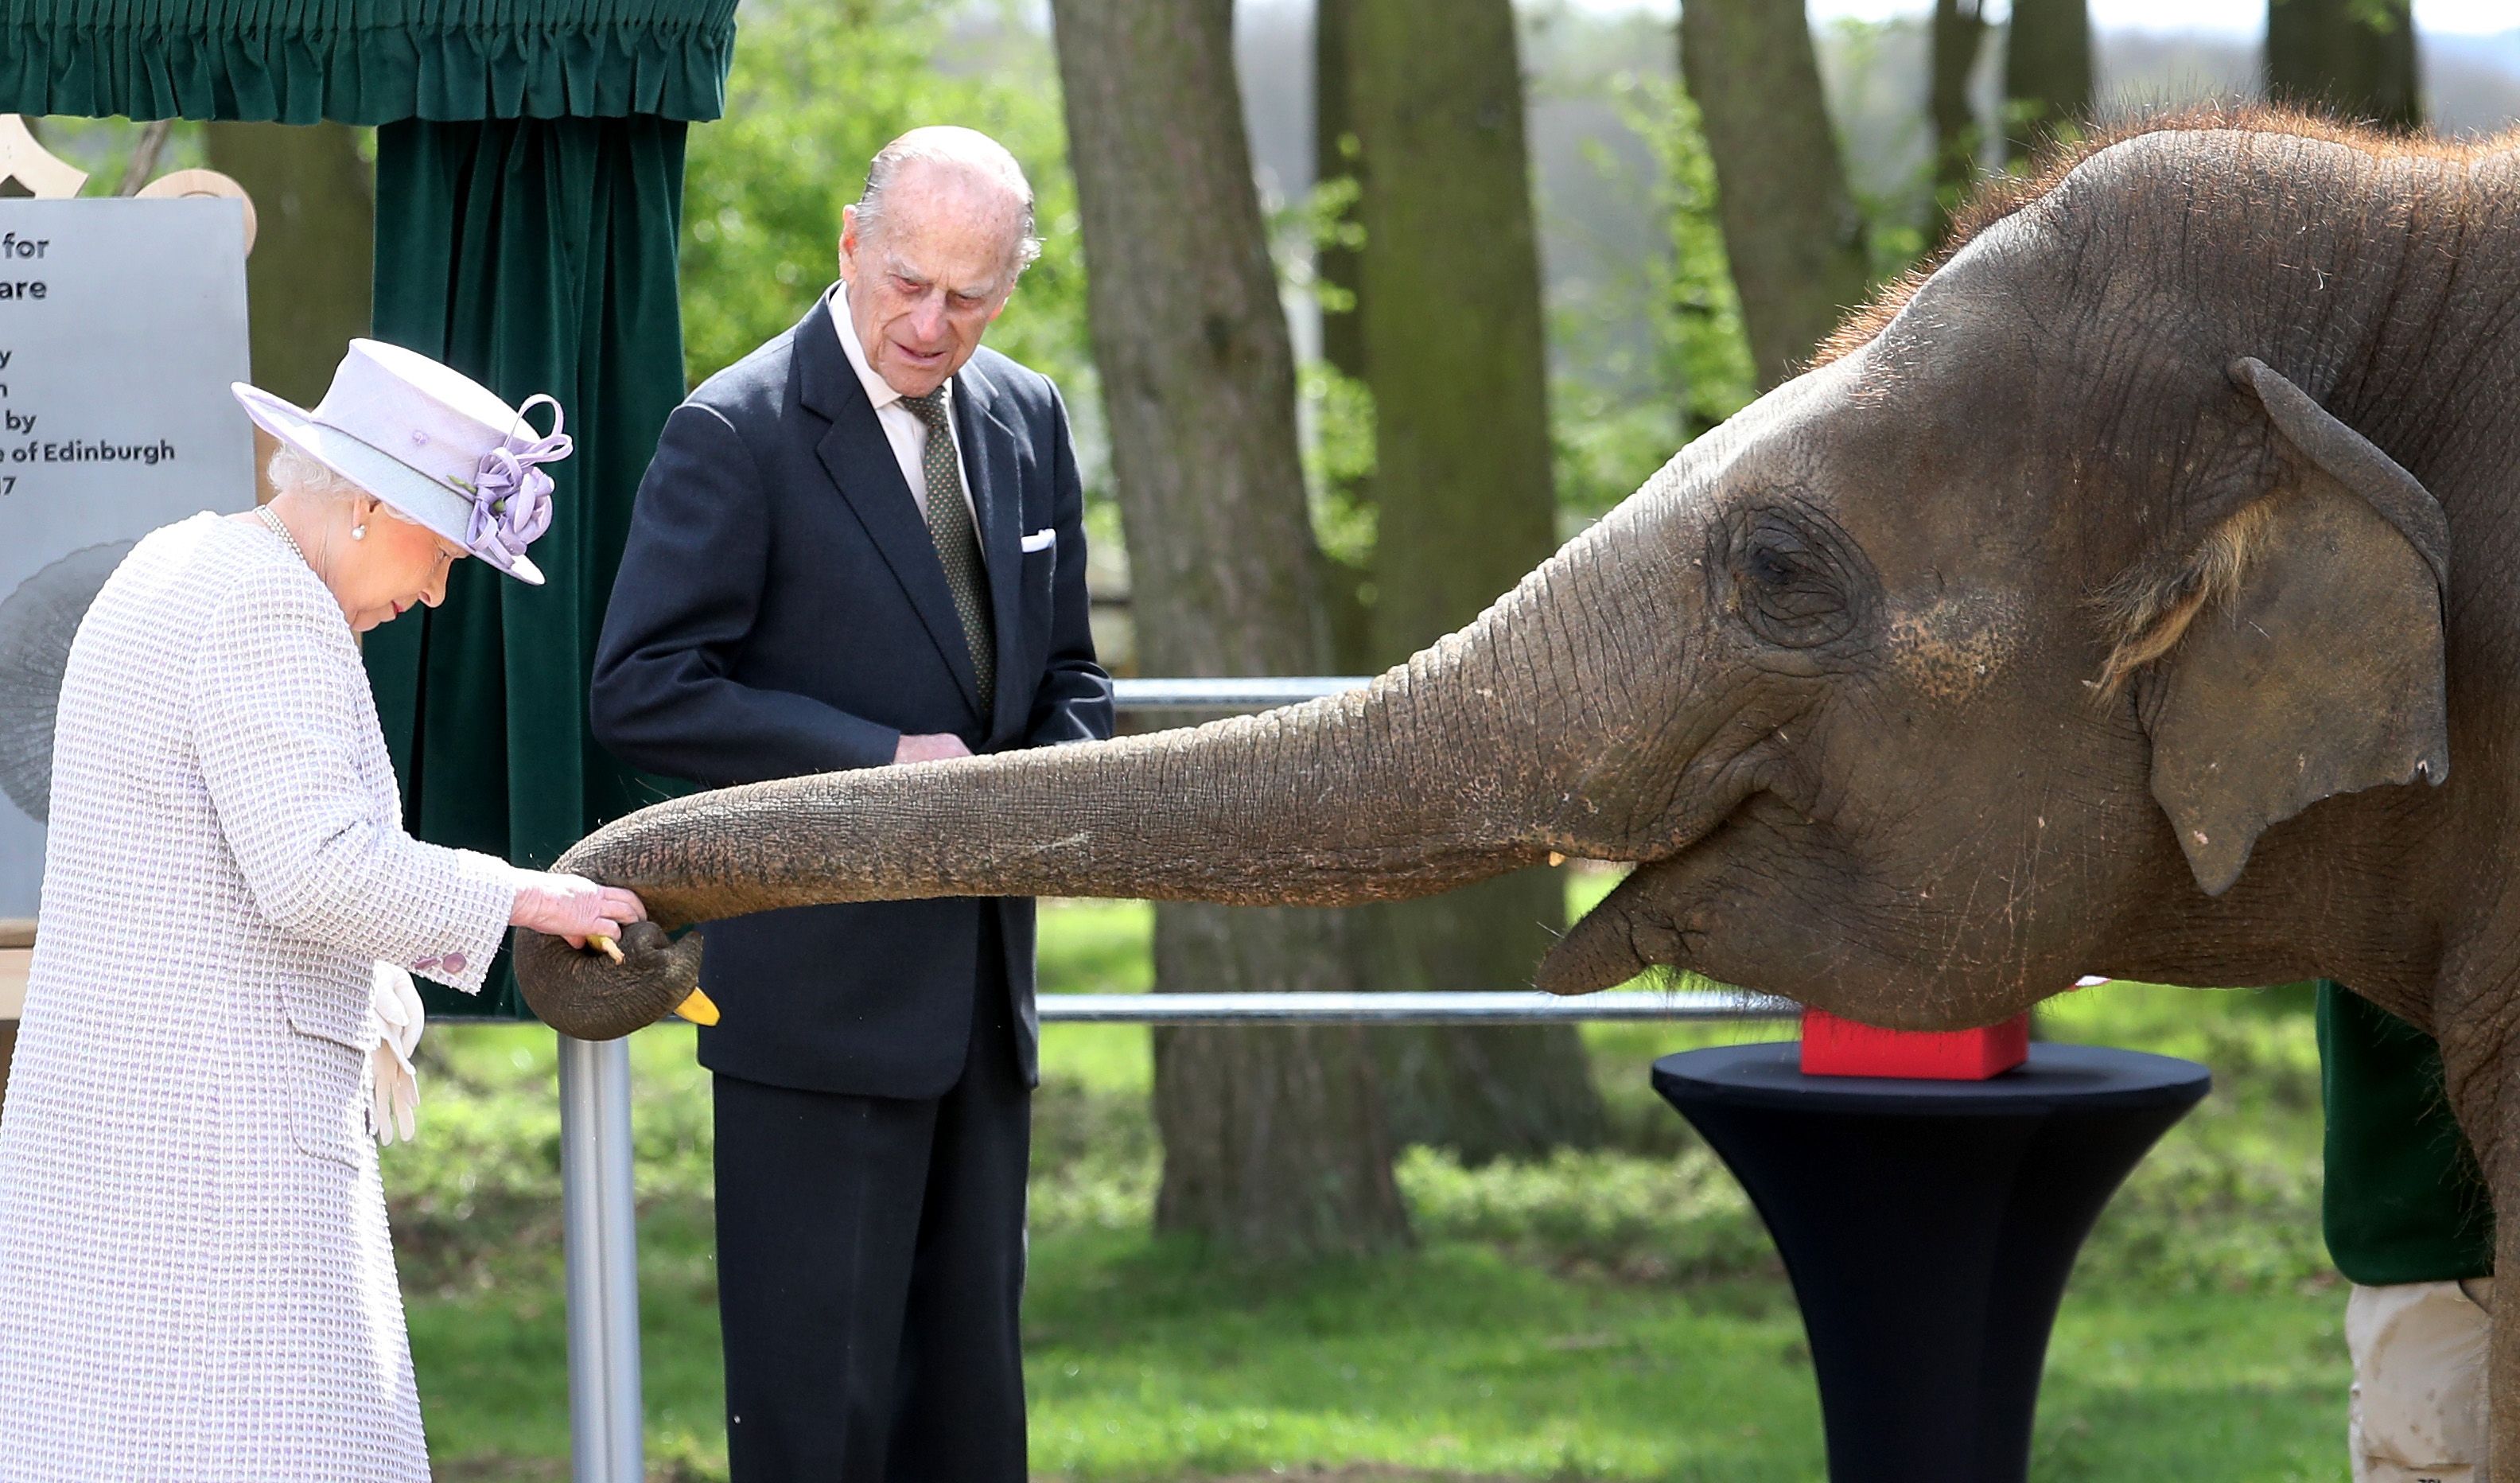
[
  {"x": 1340, "y": 460},
  {"x": 1959, "y": 30},
  {"x": 2355, "y": 57},
  {"x": 819, "y": 86},
  {"x": 2047, "y": 71},
  {"x": 1456, "y": 359},
  {"x": 1275, "y": 1144},
  {"x": 1793, "y": 238},
  {"x": 310, "y": 281},
  {"x": 1338, "y": 167}
]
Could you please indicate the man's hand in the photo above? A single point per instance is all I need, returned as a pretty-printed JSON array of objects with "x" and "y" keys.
[{"x": 929, "y": 748}]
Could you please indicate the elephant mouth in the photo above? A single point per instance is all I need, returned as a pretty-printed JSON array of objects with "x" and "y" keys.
[
  {"x": 1628, "y": 932},
  {"x": 1655, "y": 918}
]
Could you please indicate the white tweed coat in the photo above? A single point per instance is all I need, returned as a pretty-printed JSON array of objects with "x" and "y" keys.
[{"x": 195, "y": 1281}]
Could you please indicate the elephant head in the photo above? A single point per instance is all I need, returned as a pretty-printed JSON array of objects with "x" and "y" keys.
[{"x": 1994, "y": 650}]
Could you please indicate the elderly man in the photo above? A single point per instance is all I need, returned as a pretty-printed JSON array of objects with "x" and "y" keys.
[{"x": 863, "y": 545}]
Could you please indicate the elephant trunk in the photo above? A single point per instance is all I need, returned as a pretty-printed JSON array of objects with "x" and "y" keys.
[
  {"x": 1425, "y": 779},
  {"x": 1315, "y": 805}
]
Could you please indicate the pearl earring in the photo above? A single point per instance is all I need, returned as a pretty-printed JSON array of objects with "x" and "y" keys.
[{"x": 359, "y": 533}]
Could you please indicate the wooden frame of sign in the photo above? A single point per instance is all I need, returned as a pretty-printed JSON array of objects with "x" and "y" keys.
[{"x": 49, "y": 177}]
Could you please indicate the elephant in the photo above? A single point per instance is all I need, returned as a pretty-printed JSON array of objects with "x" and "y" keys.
[
  {"x": 37, "y": 621},
  {"x": 2110, "y": 599}
]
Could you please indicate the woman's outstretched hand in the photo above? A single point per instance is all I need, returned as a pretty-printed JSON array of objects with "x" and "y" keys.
[{"x": 573, "y": 908}]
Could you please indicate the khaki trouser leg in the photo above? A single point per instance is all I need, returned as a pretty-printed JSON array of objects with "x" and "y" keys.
[{"x": 2419, "y": 1409}]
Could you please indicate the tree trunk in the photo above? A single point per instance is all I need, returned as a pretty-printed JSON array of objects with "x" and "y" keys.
[
  {"x": 1274, "y": 1142},
  {"x": 1958, "y": 36},
  {"x": 2355, "y": 58},
  {"x": 1339, "y": 289},
  {"x": 2046, "y": 71},
  {"x": 311, "y": 275},
  {"x": 1457, "y": 358},
  {"x": 1337, "y": 157},
  {"x": 1790, "y": 228},
  {"x": 1505, "y": 1092}
]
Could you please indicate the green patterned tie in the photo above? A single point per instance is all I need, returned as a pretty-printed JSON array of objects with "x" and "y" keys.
[{"x": 957, "y": 546}]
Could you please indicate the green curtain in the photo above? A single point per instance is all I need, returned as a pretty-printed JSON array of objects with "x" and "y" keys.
[
  {"x": 535, "y": 256},
  {"x": 366, "y": 61},
  {"x": 2404, "y": 1201},
  {"x": 529, "y": 182}
]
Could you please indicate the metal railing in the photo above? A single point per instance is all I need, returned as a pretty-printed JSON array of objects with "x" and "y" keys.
[
  {"x": 1253, "y": 693},
  {"x": 1406, "y": 1008},
  {"x": 599, "y": 1237}
]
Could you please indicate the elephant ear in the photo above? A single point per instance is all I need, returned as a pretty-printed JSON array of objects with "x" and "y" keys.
[{"x": 2298, "y": 652}]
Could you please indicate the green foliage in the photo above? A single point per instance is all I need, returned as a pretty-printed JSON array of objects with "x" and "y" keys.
[
  {"x": 1609, "y": 438},
  {"x": 1151, "y": 1361},
  {"x": 1334, "y": 411},
  {"x": 1872, "y": 69},
  {"x": 1325, "y": 218},
  {"x": 1705, "y": 349},
  {"x": 1338, "y": 460},
  {"x": 1096, "y": 1153},
  {"x": 2230, "y": 1199},
  {"x": 1099, "y": 947},
  {"x": 1617, "y": 1314},
  {"x": 103, "y": 148},
  {"x": 818, "y": 87},
  {"x": 1635, "y": 1216}
]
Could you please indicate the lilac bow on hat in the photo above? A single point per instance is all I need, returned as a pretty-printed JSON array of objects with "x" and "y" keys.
[{"x": 511, "y": 500}]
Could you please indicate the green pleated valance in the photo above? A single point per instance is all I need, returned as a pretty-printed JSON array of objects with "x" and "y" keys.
[{"x": 366, "y": 62}]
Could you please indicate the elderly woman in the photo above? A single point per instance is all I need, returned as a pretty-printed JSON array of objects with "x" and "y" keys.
[{"x": 194, "y": 1276}]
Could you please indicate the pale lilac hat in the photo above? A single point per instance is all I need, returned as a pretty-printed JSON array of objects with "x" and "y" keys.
[{"x": 433, "y": 443}]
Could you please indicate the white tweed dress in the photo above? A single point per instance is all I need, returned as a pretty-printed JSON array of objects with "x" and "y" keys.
[{"x": 195, "y": 1281}]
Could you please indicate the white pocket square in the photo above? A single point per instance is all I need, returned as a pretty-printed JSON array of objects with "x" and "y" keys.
[{"x": 1040, "y": 540}]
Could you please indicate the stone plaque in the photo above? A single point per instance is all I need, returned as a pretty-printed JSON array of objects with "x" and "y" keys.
[{"x": 121, "y": 324}]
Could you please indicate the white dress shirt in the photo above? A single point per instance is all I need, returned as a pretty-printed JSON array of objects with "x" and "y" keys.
[{"x": 908, "y": 434}]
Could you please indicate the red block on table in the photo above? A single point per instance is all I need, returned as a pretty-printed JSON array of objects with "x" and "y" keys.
[{"x": 1834, "y": 1047}]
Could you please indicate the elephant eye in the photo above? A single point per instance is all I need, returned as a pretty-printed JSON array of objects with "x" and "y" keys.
[
  {"x": 1788, "y": 583},
  {"x": 1773, "y": 567}
]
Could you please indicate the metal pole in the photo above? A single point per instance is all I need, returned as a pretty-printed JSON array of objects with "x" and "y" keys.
[
  {"x": 1408, "y": 1008},
  {"x": 1260, "y": 693},
  {"x": 599, "y": 1249}
]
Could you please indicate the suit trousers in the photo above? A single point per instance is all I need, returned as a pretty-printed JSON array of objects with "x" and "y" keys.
[{"x": 871, "y": 1264}]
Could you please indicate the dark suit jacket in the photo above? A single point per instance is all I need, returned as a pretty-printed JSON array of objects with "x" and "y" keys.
[{"x": 781, "y": 610}]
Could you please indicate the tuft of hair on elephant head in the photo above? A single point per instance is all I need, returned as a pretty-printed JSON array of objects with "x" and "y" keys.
[{"x": 2109, "y": 599}]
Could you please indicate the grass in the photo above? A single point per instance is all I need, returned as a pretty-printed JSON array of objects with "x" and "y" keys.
[{"x": 1608, "y": 1315}]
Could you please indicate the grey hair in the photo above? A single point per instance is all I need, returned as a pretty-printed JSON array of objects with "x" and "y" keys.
[
  {"x": 293, "y": 472},
  {"x": 967, "y": 150}
]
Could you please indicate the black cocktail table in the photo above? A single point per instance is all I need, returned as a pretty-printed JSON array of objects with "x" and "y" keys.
[{"x": 1929, "y": 1227}]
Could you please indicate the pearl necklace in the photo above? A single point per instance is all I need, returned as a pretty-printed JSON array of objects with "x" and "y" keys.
[{"x": 279, "y": 528}]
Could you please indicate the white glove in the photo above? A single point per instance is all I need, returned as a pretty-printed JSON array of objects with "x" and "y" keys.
[{"x": 394, "y": 1012}]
